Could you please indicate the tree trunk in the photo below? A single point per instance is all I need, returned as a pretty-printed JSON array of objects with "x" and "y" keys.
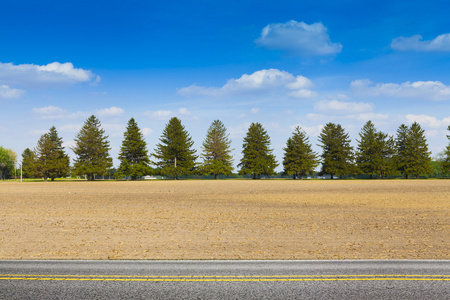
[
  {"x": 254, "y": 176},
  {"x": 332, "y": 176},
  {"x": 216, "y": 176},
  {"x": 293, "y": 176}
]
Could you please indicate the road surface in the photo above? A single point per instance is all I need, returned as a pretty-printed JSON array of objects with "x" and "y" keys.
[{"x": 225, "y": 279}]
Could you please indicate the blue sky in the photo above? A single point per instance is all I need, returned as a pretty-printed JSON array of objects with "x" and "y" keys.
[{"x": 280, "y": 63}]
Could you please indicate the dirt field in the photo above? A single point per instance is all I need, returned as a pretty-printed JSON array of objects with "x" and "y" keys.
[{"x": 232, "y": 219}]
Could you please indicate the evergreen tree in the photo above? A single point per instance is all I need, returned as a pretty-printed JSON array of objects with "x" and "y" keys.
[
  {"x": 337, "y": 155},
  {"x": 257, "y": 157},
  {"x": 446, "y": 156},
  {"x": 418, "y": 156},
  {"x": 401, "y": 149},
  {"x": 217, "y": 158},
  {"x": 29, "y": 164},
  {"x": 92, "y": 150},
  {"x": 299, "y": 159},
  {"x": 412, "y": 157},
  {"x": 375, "y": 151},
  {"x": 51, "y": 159},
  {"x": 174, "y": 152},
  {"x": 133, "y": 155}
]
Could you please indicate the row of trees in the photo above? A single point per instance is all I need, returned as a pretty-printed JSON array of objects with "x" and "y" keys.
[{"x": 377, "y": 153}]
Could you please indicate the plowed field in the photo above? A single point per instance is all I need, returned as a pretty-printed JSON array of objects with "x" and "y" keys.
[{"x": 227, "y": 219}]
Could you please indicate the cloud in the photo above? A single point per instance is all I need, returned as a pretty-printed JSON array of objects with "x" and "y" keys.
[
  {"x": 342, "y": 108},
  {"x": 109, "y": 112},
  {"x": 9, "y": 93},
  {"x": 372, "y": 116},
  {"x": 415, "y": 43},
  {"x": 298, "y": 38},
  {"x": 428, "y": 90},
  {"x": 428, "y": 121},
  {"x": 254, "y": 110},
  {"x": 146, "y": 131},
  {"x": 71, "y": 128},
  {"x": 159, "y": 114},
  {"x": 239, "y": 130},
  {"x": 184, "y": 112},
  {"x": 310, "y": 130},
  {"x": 53, "y": 112},
  {"x": 114, "y": 129},
  {"x": 51, "y": 74},
  {"x": 259, "y": 82},
  {"x": 167, "y": 114},
  {"x": 50, "y": 112}
]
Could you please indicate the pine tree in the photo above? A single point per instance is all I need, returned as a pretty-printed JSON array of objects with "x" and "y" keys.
[
  {"x": 174, "y": 152},
  {"x": 401, "y": 148},
  {"x": 92, "y": 150},
  {"x": 51, "y": 159},
  {"x": 29, "y": 164},
  {"x": 133, "y": 155},
  {"x": 412, "y": 157},
  {"x": 217, "y": 158},
  {"x": 418, "y": 156},
  {"x": 257, "y": 157},
  {"x": 446, "y": 158},
  {"x": 375, "y": 151},
  {"x": 299, "y": 159},
  {"x": 337, "y": 155}
]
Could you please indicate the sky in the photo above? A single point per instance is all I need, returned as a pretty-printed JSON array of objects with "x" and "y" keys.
[{"x": 280, "y": 63}]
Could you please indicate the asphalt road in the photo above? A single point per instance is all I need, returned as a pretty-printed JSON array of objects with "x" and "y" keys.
[{"x": 225, "y": 279}]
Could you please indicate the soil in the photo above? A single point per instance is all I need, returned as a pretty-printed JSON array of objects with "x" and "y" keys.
[{"x": 226, "y": 219}]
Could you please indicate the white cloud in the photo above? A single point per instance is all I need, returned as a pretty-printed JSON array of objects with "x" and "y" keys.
[
  {"x": 53, "y": 74},
  {"x": 343, "y": 108},
  {"x": 112, "y": 111},
  {"x": 159, "y": 114},
  {"x": 146, "y": 131},
  {"x": 9, "y": 93},
  {"x": 50, "y": 112},
  {"x": 71, "y": 128},
  {"x": 114, "y": 129},
  {"x": 310, "y": 130},
  {"x": 239, "y": 130},
  {"x": 258, "y": 82},
  {"x": 373, "y": 117},
  {"x": 303, "y": 93},
  {"x": 53, "y": 112},
  {"x": 167, "y": 114},
  {"x": 427, "y": 90},
  {"x": 439, "y": 44},
  {"x": 37, "y": 132},
  {"x": 298, "y": 38},
  {"x": 184, "y": 112},
  {"x": 69, "y": 144},
  {"x": 428, "y": 121},
  {"x": 254, "y": 110}
]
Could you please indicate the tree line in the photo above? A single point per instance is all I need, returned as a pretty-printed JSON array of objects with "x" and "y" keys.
[{"x": 377, "y": 154}]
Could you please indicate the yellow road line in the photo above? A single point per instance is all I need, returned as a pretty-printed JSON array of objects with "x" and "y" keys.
[
  {"x": 220, "y": 276},
  {"x": 240, "y": 278}
]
